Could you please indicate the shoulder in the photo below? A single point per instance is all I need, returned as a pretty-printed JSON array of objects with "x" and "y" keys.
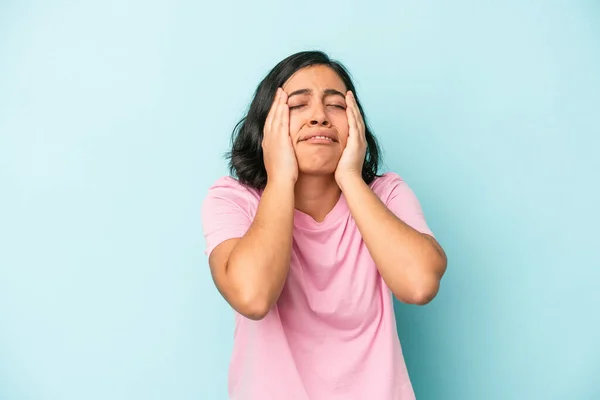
[
  {"x": 400, "y": 199},
  {"x": 385, "y": 184},
  {"x": 228, "y": 190},
  {"x": 228, "y": 184},
  {"x": 227, "y": 211}
]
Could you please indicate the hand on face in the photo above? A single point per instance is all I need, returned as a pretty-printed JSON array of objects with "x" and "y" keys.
[
  {"x": 353, "y": 156},
  {"x": 278, "y": 153}
]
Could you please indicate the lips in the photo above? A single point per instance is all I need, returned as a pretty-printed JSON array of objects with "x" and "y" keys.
[{"x": 320, "y": 135}]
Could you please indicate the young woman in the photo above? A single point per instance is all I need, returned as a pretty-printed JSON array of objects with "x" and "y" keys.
[{"x": 307, "y": 243}]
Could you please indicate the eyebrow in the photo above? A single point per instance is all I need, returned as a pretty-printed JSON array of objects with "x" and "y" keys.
[{"x": 326, "y": 92}]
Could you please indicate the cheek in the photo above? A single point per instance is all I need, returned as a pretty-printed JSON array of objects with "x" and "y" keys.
[
  {"x": 343, "y": 139},
  {"x": 296, "y": 124},
  {"x": 341, "y": 123}
]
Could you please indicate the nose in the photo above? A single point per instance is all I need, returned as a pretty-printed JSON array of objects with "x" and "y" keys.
[{"x": 319, "y": 116}]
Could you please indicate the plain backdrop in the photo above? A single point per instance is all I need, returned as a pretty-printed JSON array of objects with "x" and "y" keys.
[{"x": 114, "y": 117}]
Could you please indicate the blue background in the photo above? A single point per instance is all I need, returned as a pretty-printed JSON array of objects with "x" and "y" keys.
[{"x": 114, "y": 116}]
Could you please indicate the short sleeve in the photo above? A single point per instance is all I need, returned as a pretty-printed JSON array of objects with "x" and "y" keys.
[
  {"x": 402, "y": 201},
  {"x": 225, "y": 213}
]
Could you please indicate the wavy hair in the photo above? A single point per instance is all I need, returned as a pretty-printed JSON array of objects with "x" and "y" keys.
[{"x": 246, "y": 156}]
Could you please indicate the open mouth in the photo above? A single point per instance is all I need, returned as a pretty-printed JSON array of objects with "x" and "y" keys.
[{"x": 319, "y": 138}]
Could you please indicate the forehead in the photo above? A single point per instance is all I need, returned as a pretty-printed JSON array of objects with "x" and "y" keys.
[{"x": 317, "y": 78}]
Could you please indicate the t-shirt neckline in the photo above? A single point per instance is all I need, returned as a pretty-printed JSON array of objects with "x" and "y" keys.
[{"x": 303, "y": 220}]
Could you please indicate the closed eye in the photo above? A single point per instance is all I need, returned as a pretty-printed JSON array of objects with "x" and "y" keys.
[
  {"x": 337, "y": 106},
  {"x": 298, "y": 106}
]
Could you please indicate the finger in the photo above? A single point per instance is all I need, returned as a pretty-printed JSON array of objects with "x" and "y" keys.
[
  {"x": 355, "y": 110},
  {"x": 360, "y": 123},
  {"x": 282, "y": 113},
  {"x": 272, "y": 110},
  {"x": 286, "y": 111},
  {"x": 350, "y": 112}
]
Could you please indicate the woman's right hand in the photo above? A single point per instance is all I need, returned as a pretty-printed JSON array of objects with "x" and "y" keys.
[{"x": 278, "y": 151}]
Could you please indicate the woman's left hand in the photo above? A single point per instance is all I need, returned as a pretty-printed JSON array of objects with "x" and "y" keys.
[{"x": 353, "y": 157}]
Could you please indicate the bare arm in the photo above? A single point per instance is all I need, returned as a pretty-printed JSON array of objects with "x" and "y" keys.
[
  {"x": 250, "y": 272},
  {"x": 411, "y": 263}
]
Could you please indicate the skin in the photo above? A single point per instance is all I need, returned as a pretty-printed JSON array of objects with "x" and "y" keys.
[{"x": 309, "y": 174}]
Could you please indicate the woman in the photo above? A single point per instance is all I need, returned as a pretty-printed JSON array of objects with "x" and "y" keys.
[{"x": 308, "y": 242}]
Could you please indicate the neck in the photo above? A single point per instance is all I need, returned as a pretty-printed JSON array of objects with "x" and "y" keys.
[{"x": 316, "y": 195}]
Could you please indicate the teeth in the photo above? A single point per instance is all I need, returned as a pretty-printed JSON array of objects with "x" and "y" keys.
[{"x": 321, "y": 137}]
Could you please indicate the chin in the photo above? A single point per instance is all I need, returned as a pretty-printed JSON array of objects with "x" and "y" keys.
[{"x": 317, "y": 170}]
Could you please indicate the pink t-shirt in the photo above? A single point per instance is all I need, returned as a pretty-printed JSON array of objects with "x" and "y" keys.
[{"x": 332, "y": 334}]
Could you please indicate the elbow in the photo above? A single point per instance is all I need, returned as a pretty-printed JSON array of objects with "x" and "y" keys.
[
  {"x": 425, "y": 294},
  {"x": 421, "y": 292},
  {"x": 249, "y": 298},
  {"x": 426, "y": 287},
  {"x": 254, "y": 307},
  {"x": 254, "y": 313}
]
